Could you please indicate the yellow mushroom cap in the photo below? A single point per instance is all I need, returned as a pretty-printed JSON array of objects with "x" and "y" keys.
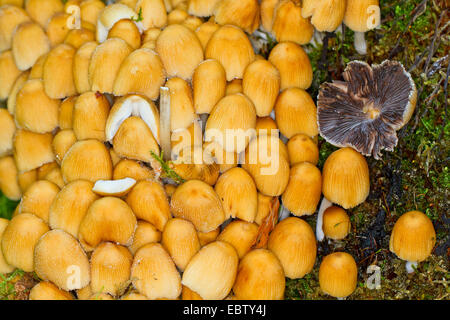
[
  {"x": 202, "y": 8},
  {"x": 153, "y": 13},
  {"x": 110, "y": 268},
  {"x": 42, "y": 10},
  {"x": 126, "y": 168},
  {"x": 358, "y": 14},
  {"x": 81, "y": 62},
  {"x": 260, "y": 276},
  {"x": 205, "y": 31},
  {"x": 7, "y": 133},
  {"x": 208, "y": 237},
  {"x": 304, "y": 189},
  {"x": 4, "y": 266},
  {"x": 62, "y": 141},
  {"x": 294, "y": 243},
  {"x": 145, "y": 233},
  {"x": 346, "y": 178},
  {"x": 241, "y": 235},
  {"x": 413, "y": 237},
  {"x": 338, "y": 274},
  {"x": 10, "y": 17},
  {"x": 8, "y": 73},
  {"x": 302, "y": 148},
  {"x": 180, "y": 240},
  {"x": 212, "y": 271},
  {"x": 326, "y": 15},
  {"x": 70, "y": 206},
  {"x": 244, "y": 14},
  {"x": 20, "y": 238},
  {"x": 45, "y": 290},
  {"x": 197, "y": 202},
  {"x": 38, "y": 198},
  {"x": 336, "y": 223},
  {"x": 107, "y": 219},
  {"x": 59, "y": 258},
  {"x": 9, "y": 179},
  {"x": 149, "y": 202},
  {"x": 154, "y": 274}
]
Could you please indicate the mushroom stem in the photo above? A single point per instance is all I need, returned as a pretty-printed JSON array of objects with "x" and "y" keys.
[
  {"x": 341, "y": 298},
  {"x": 360, "y": 43},
  {"x": 284, "y": 213},
  {"x": 164, "y": 109},
  {"x": 324, "y": 205},
  {"x": 410, "y": 266}
]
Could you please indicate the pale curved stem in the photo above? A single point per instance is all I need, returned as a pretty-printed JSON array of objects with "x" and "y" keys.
[
  {"x": 324, "y": 205},
  {"x": 410, "y": 266},
  {"x": 164, "y": 122},
  {"x": 360, "y": 43}
]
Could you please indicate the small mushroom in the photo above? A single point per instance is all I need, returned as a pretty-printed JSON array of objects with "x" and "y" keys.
[
  {"x": 153, "y": 13},
  {"x": 205, "y": 31},
  {"x": 413, "y": 238},
  {"x": 338, "y": 275},
  {"x": 336, "y": 223},
  {"x": 4, "y": 266},
  {"x": 81, "y": 66},
  {"x": 243, "y": 14},
  {"x": 241, "y": 235},
  {"x": 366, "y": 110},
  {"x": 360, "y": 17},
  {"x": 202, "y": 8},
  {"x": 145, "y": 233},
  {"x": 46, "y": 290},
  {"x": 326, "y": 15},
  {"x": 42, "y": 10}
]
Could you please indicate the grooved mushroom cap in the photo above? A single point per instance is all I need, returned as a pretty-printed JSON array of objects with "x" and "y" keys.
[
  {"x": 338, "y": 274},
  {"x": 59, "y": 258},
  {"x": 366, "y": 110},
  {"x": 413, "y": 237},
  {"x": 48, "y": 291}
]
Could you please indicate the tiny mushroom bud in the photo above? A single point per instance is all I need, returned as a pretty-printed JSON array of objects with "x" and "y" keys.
[
  {"x": 413, "y": 238},
  {"x": 336, "y": 223},
  {"x": 338, "y": 274},
  {"x": 366, "y": 110}
]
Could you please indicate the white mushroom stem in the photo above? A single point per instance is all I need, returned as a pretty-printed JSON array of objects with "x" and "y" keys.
[
  {"x": 360, "y": 43},
  {"x": 410, "y": 266},
  {"x": 324, "y": 205},
  {"x": 284, "y": 213},
  {"x": 164, "y": 106},
  {"x": 341, "y": 298}
]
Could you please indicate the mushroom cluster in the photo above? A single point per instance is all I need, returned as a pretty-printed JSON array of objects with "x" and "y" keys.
[{"x": 145, "y": 142}]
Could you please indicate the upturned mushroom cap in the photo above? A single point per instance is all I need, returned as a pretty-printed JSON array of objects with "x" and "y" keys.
[
  {"x": 42, "y": 10},
  {"x": 81, "y": 62},
  {"x": 141, "y": 72},
  {"x": 180, "y": 51},
  {"x": 38, "y": 199},
  {"x": 45, "y": 290},
  {"x": 149, "y": 202},
  {"x": 241, "y": 235},
  {"x": 70, "y": 206},
  {"x": 233, "y": 115},
  {"x": 302, "y": 148},
  {"x": 126, "y": 168},
  {"x": 117, "y": 188},
  {"x": 197, "y": 202},
  {"x": 145, "y": 233},
  {"x": 208, "y": 84},
  {"x": 336, "y": 223},
  {"x": 243, "y": 14},
  {"x": 358, "y": 15},
  {"x": 295, "y": 112},
  {"x": 90, "y": 112},
  {"x": 154, "y": 274},
  {"x": 59, "y": 258},
  {"x": 10, "y": 17},
  {"x": 105, "y": 64},
  {"x": 4, "y": 266},
  {"x": 202, "y": 8},
  {"x": 32, "y": 150},
  {"x": 304, "y": 189},
  {"x": 260, "y": 276},
  {"x": 88, "y": 160},
  {"x": 153, "y": 13},
  {"x": 8, "y": 73},
  {"x": 338, "y": 274},
  {"x": 212, "y": 271},
  {"x": 366, "y": 109},
  {"x": 326, "y": 15},
  {"x": 58, "y": 73},
  {"x": 413, "y": 237},
  {"x": 230, "y": 46},
  {"x": 180, "y": 240},
  {"x": 293, "y": 64},
  {"x": 35, "y": 110},
  {"x": 20, "y": 238},
  {"x": 107, "y": 219},
  {"x": 238, "y": 194},
  {"x": 294, "y": 243},
  {"x": 110, "y": 15},
  {"x": 346, "y": 178},
  {"x": 290, "y": 25},
  {"x": 110, "y": 268},
  {"x": 28, "y": 44}
]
